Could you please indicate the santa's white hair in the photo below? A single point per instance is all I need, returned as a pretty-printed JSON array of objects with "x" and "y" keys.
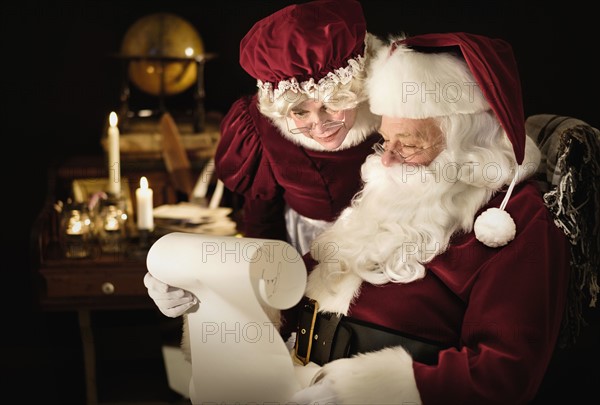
[{"x": 405, "y": 215}]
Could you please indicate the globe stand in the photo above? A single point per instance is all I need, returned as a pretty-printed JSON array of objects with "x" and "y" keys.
[{"x": 196, "y": 114}]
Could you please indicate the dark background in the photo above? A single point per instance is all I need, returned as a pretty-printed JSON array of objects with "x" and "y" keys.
[{"x": 59, "y": 82}]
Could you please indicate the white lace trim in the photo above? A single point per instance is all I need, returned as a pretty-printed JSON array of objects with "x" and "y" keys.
[{"x": 342, "y": 75}]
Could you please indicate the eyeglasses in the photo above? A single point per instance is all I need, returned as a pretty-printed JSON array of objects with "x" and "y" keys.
[
  {"x": 399, "y": 147},
  {"x": 325, "y": 126}
]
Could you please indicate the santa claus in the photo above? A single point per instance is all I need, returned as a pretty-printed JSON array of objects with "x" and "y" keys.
[{"x": 446, "y": 279}]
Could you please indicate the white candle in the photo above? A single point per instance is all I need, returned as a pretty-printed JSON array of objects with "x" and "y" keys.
[
  {"x": 114, "y": 158},
  {"x": 143, "y": 196}
]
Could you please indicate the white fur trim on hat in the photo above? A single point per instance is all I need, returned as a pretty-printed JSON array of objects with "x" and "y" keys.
[
  {"x": 409, "y": 84},
  {"x": 382, "y": 377}
]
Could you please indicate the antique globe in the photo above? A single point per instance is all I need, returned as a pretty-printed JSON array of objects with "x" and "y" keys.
[{"x": 162, "y": 49}]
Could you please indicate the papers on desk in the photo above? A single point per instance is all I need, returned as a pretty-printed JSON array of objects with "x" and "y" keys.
[{"x": 194, "y": 218}]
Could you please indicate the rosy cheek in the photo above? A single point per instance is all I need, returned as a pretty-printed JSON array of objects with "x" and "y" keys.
[
  {"x": 428, "y": 156},
  {"x": 422, "y": 160}
]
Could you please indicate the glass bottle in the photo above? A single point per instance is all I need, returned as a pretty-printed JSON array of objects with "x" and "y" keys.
[
  {"x": 76, "y": 231},
  {"x": 111, "y": 225}
]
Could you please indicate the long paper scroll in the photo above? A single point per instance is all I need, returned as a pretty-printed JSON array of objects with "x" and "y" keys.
[{"x": 237, "y": 354}]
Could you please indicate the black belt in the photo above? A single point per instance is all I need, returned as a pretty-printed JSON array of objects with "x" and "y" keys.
[{"x": 324, "y": 337}]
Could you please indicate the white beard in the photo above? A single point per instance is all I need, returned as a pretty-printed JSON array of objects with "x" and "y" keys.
[
  {"x": 405, "y": 215},
  {"x": 403, "y": 218}
]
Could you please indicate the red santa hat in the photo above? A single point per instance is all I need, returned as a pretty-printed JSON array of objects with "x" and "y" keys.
[
  {"x": 422, "y": 77},
  {"x": 306, "y": 47}
]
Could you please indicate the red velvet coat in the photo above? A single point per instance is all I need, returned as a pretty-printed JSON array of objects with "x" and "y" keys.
[
  {"x": 256, "y": 161},
  {"x": 499, "y": 308}
]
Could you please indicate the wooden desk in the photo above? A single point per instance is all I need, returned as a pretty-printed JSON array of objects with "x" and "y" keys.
[
  {"x": 103, "y": 281},
  {"x": 84, "y": 285}
]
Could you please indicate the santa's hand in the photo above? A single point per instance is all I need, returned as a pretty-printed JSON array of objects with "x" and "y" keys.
[
  {"x": 320, "y": 393},
  {"x": 171, "y": 301}
]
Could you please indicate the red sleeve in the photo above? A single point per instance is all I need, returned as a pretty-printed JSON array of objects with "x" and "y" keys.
[
  {"x": 242, "y": 165},
  {"x": 512, "y": 319},
  {"x": 239, "y": 151}
]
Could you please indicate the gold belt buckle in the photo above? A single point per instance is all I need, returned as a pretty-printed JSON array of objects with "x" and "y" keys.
[{"x": 305, "y": 360}]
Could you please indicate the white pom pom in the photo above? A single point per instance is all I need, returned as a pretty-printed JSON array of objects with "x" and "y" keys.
[{"x": 495, "y": 227}]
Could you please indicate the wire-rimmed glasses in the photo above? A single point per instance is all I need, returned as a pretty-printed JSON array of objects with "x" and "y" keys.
[
  {"x": 403, "y": 152},
  {"x": 325, "y": 126}
]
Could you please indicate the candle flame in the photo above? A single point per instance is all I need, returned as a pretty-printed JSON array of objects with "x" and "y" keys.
[
  {"x": 76, "y": 228},
  {"x": 113, "y": 119},
  {"x": 112, "y": 224},
  {"x": 144, "y": 183}
]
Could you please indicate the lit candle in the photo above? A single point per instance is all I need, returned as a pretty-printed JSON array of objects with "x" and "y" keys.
[
  {"x": 143, "y": 196},
  {"x": 77, "y": 235},
  {"x": 114, "y": 158},
  {"x": 75, "y": 225},
  {"x": 111, "y": 224}
]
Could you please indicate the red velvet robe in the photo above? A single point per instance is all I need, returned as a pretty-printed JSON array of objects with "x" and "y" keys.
[
  {"x": 499, "y": 308},
  {"x": 256, "y": 161}
]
